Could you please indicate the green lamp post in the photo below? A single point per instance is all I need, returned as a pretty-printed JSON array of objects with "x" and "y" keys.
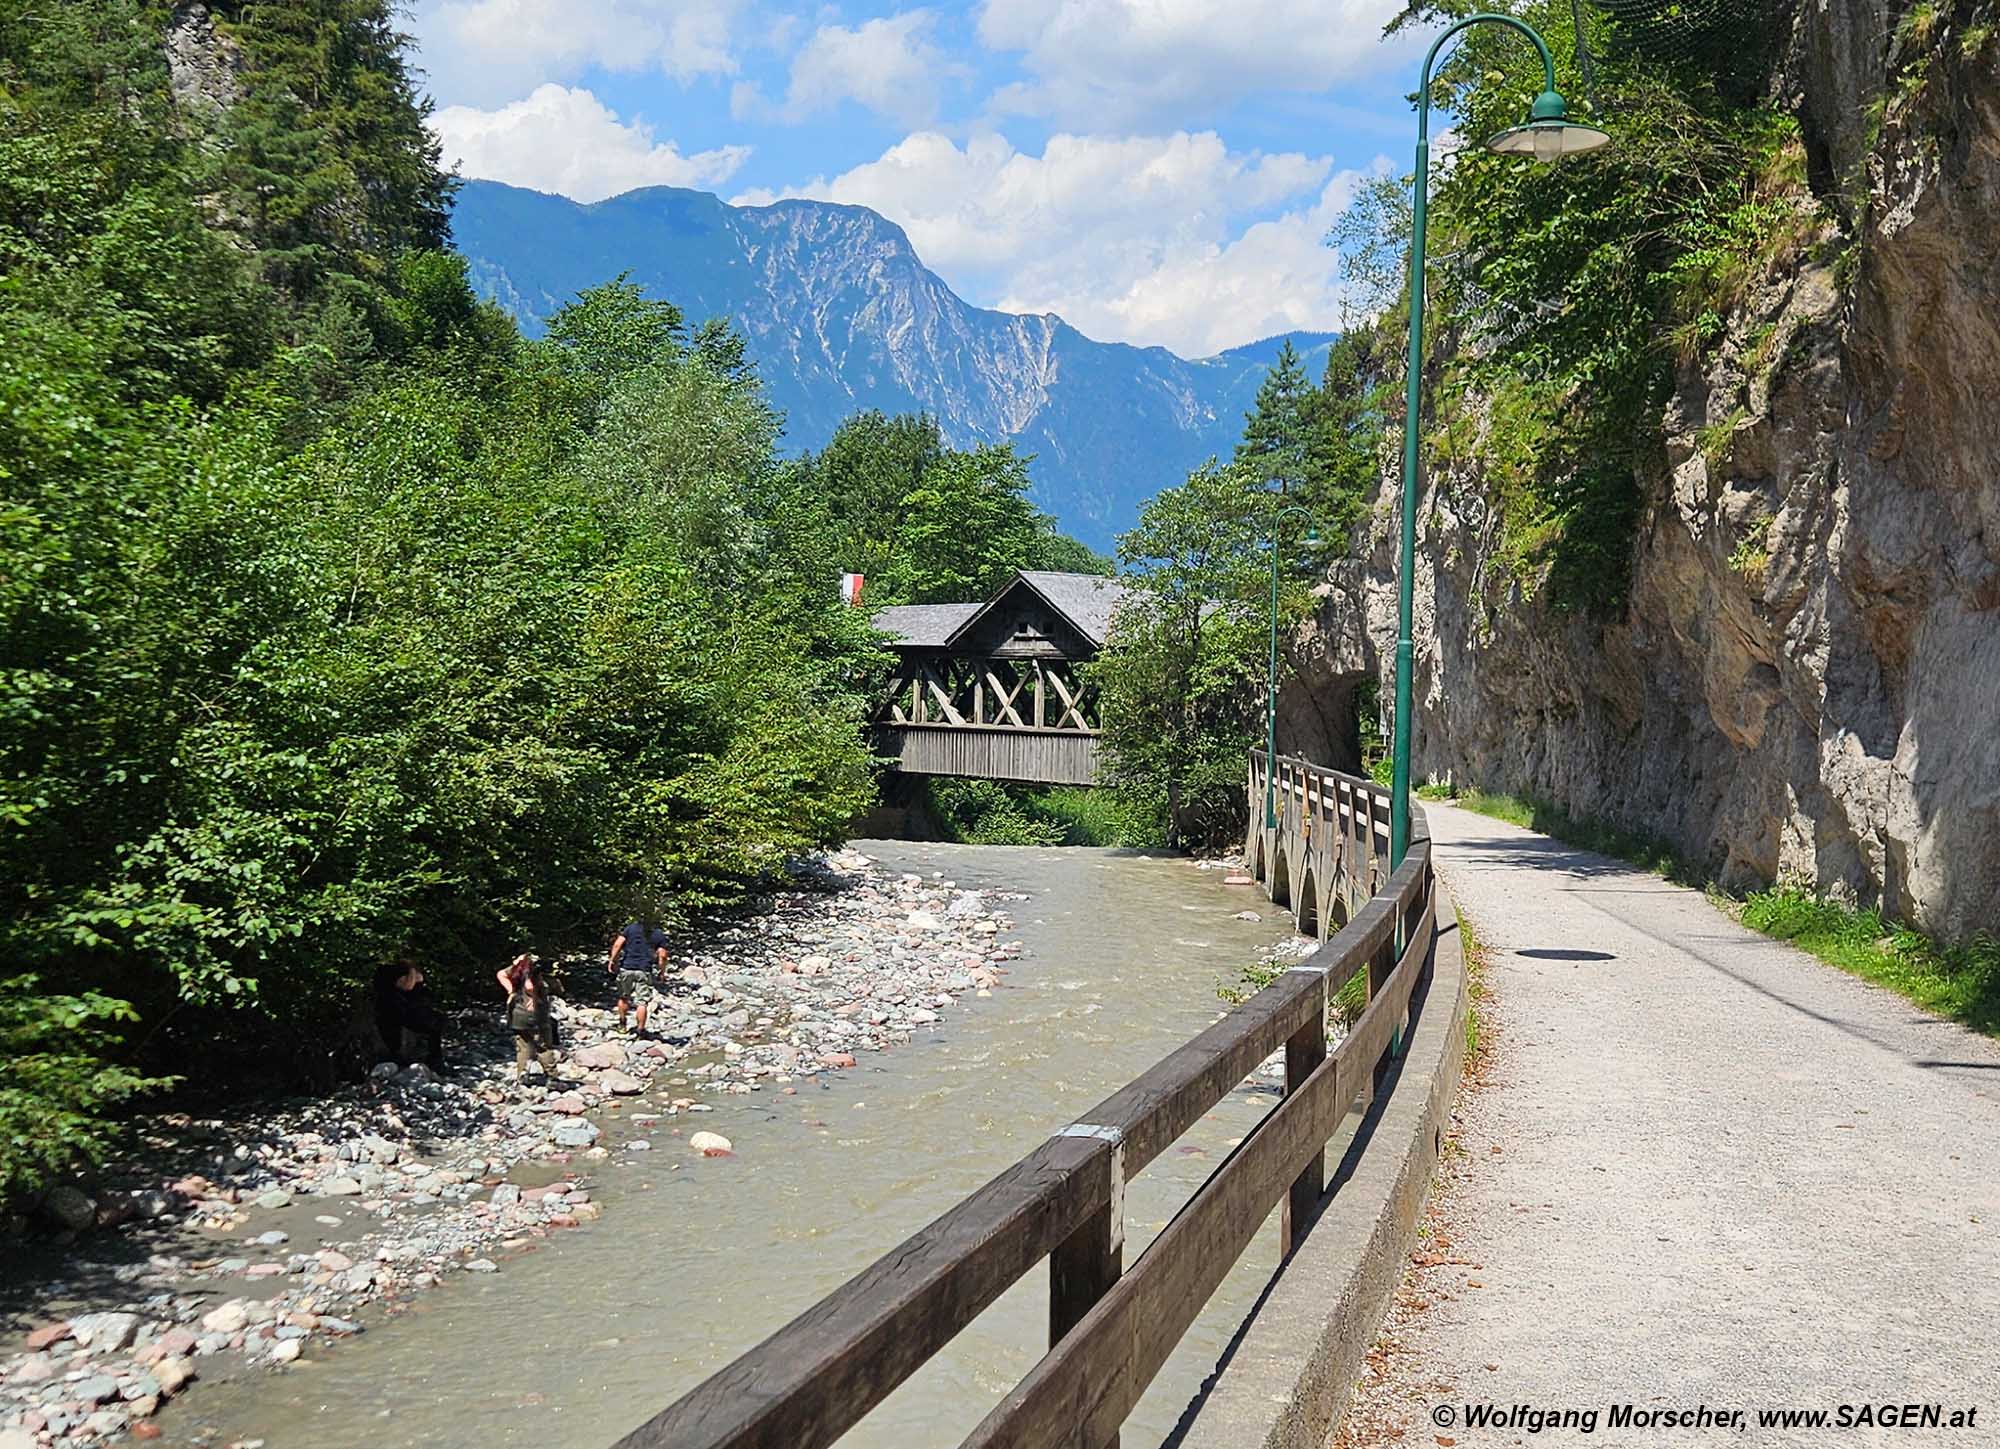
[
  {"x": 1548, "y": 135},
  {"x": 1278, "y": 515}
]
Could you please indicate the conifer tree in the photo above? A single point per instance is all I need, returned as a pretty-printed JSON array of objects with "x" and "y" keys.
[
  {"x": 1350, "y": 423},
  {"x": 1280, "y": 447},
  {"x": 325, "y": 158}
]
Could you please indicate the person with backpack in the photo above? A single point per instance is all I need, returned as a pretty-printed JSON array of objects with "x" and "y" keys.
[
  {"x": 637, "y": 957},
  {"x": 528, "y": 1015}
]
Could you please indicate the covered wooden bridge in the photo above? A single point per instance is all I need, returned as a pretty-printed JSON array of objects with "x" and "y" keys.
[{"x": 991, "y": 689}]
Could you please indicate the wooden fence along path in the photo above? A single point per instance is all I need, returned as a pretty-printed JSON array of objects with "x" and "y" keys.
[{"x": 1110, "y": 1328}]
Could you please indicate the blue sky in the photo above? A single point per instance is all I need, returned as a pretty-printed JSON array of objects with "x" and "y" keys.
[{"x": 1157, "y": 171}]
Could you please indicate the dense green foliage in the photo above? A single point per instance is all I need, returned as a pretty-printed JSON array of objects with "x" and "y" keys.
[
  {"x": 1186, "y": 675},
  {"x": 924, "y": 523},
  {"x": 985, "y": 812},
  {"x": 1185, "y": 679},
  {"x": 323, "y": 159},
  {"x": 1319, "y": 445},
  {"x": 1574, "y": 290},
  {"x": 1182, "y": 679},
  {"x": 337, "y": 622}
]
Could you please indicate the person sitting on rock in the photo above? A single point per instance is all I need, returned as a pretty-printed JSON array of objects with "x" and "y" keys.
[
  {"x": 639, "y": 953},
  {"x": 528, "y": 1015},
  {"x": 406, "y": 1016}
]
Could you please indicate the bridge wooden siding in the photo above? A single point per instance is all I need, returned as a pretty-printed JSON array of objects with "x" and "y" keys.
[
  {"x": 1330, "y": 848},
  {"x": 1110, "y": 1330},
  {"x": 991, "y": 752},
  {"x": 992, "y": 690}
]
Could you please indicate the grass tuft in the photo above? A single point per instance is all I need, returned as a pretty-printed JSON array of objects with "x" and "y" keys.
[
  {"x": 1475, "y": 990},
  {"x": 1649, "y": 852},
  {"x": 1961, "y": 983},
  {"x": 1751, "y": 558}
]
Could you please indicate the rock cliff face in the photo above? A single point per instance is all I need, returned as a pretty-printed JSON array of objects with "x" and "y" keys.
[{"x": 1805, "y": 684}]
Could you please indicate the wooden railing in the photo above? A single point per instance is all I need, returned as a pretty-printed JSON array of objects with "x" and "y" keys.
[{"x": 1109, "y": 1330}]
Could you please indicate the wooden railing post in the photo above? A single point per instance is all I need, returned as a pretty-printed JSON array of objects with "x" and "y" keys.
[
  {"x": 1305, "y": 1049},
  {"x": 1084, "y": 1266}
]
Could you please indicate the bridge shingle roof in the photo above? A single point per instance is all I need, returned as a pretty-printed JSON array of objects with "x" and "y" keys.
[
  {"x": 923, "y": 626},
  {"x": 1087, "y": 600}
]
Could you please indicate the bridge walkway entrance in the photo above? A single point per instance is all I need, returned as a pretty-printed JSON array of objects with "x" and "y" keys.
[{"x": 1705, "y": 1168}]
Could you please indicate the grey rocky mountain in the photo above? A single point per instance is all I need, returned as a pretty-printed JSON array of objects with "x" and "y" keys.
[{"x": 841, "y": 315}]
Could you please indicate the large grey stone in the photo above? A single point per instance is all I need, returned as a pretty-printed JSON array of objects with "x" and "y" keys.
[
  {"x": 104, "y": 1332},
  {"x": 574, "y": 1132}
]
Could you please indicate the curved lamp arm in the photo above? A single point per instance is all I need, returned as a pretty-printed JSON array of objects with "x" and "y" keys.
[{"x": 1430, "y": 60}]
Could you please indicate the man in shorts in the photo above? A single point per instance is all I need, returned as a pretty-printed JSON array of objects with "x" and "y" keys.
[{"x": 639, "y": 953}]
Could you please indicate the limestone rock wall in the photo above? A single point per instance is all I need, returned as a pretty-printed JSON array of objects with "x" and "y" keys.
[{"x": 1806, "y": 682}]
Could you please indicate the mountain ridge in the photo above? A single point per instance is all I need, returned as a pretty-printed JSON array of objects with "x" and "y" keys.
[{"x": 840, "y": 315}]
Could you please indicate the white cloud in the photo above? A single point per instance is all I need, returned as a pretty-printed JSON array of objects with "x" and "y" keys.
[
  {"x": 483, "y": 51},
  {"x": 1279, "y": 276},
  {"x": 566, "y": 140},
  {"x": 1117, "y": 62},
  {"x": 1174, "y": 239},
  {"x": 887, "y": 64}
]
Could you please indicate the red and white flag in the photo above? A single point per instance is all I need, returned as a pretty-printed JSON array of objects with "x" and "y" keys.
[{"x": 850, "y": 589}]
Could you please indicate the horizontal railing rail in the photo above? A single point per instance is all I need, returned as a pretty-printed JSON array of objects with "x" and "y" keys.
[{"x": 1110, "y": 1331}]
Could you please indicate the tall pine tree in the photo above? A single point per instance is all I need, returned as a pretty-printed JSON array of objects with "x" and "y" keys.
[
  {"x": 326, "y": 160},
  {"x": 1351, "y": 427},
  {"x": 1281, "y": 447}
]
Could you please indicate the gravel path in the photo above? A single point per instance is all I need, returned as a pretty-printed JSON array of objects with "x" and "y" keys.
[{"x": 1706, "y": 1169}]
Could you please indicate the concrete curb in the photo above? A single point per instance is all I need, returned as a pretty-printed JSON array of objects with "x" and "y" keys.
[{"x": 1286, "y": 1380}]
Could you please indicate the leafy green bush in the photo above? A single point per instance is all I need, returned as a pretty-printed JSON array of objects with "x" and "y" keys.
[
  {"x": 1099, "y": 816},
  {"x": 985, "y": 812},
  {"x": 58, "y": 1083}
]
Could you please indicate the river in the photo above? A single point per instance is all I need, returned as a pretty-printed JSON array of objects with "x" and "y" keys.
[{"x": 697, "y": 1260}]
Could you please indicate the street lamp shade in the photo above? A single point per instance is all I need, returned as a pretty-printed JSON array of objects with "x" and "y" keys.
[{"x": 1549, "y": 134}]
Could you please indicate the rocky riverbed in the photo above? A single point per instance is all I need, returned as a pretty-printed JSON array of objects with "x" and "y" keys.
[{"x": 308, "y": 1218}]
